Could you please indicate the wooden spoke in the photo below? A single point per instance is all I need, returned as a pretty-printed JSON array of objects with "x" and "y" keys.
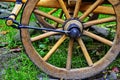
[
  {"x": 49, "y": 16},
  {"x": 94, "y": 66},
  {"x": 94, "y": 22},
  {"x": 63, "y": 6},
  {"x": 42, "y": 20},
  {"x": 52, "y": 11},
  {"x": 96, "y": 37},
  {"x": 89, "y": 10},
  {"x": 47, "y": 34},
  {"x": 69, "y": 57},
  {"x": 77, "y": 8},
  {"x": 61, "y": 14},
  {"x": 85, "y": 52},
  {"x": 59, "y": 42},
  {"x": 99, "y": 9}
]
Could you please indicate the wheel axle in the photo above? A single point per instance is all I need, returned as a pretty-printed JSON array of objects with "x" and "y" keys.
[
  {"x": 74, "y": 31},
  {"x": 74, "y": 27}
]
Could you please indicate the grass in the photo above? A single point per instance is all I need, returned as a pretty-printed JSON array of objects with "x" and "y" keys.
[
  {"x": 21, "y": 68},
  {"x": 8, "y": 36}
]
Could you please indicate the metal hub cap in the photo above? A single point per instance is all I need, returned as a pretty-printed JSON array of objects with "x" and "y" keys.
[{"x": 75, "y": 27}]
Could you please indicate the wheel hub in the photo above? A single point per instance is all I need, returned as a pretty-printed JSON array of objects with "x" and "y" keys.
[
  {"x": 75, "y": 28},
  {"x": 74, "y": 31}
]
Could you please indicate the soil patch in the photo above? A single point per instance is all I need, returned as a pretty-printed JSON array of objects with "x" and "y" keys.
[{"x": 5, "y": 56}]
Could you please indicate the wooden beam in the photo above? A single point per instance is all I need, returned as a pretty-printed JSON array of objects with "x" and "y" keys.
[{"x": 84, "y": 6}]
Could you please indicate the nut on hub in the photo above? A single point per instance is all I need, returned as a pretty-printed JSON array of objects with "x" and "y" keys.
[{"x": 75, "y": 27}]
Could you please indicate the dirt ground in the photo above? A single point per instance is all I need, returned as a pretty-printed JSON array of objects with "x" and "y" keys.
[{"x": 5, "y": 56}]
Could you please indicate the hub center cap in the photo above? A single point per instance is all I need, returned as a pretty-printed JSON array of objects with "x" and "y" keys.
[{"x": 75, "y": 28}]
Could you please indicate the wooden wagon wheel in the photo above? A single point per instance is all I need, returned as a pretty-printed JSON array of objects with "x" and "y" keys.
[{"x": 76, "y": 29}]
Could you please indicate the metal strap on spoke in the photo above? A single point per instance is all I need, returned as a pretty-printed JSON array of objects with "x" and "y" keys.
[
  {"x": 17, "y": 25},
  {"x": 46, "y": 29}
]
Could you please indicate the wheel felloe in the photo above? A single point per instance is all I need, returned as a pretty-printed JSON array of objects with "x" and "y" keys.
[{"x": 75, "y": 28}]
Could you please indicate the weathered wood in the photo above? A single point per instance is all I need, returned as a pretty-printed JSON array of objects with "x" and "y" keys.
[
  {"x": 91, "y": 8},
  {"x": 77, "y": 73},
  {"x": 77, "y": 8},
  {"x": 101, "y": 39},
  {"x": 49, "y": 16},
  {"x": 15, "y": 11},
  {"x": 54, "y": 48},
  {"x": 36, "y": 38},
  {"x": 64, "y": 8},
  {"x": 85, "y": 52},
  {"x": 99, "y": 9},
  {"x": 53, "y": 3},
  {"x": 99, "y": 21},
  {"x": 69, "y": 57},
  {"x": 84, "y": 6}
]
